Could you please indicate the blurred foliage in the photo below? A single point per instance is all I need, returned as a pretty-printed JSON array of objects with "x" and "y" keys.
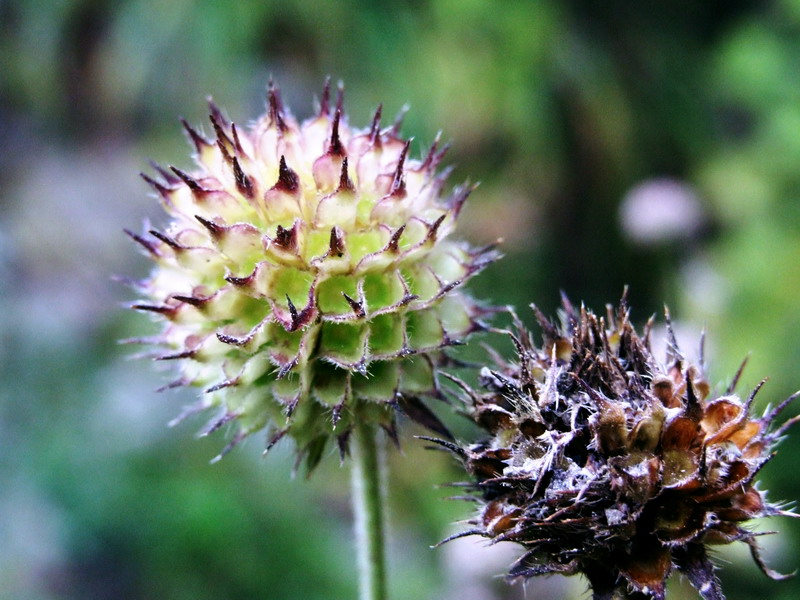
[{"x": 559, "y": 108}]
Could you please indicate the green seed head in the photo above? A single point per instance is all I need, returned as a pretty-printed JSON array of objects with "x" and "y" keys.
[{"x": 305, "y": 278}]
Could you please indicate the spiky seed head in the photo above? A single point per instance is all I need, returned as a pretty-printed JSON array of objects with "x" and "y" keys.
[
  {"x": 305, "y": 277},
  {"x": 604, "y": 461}
]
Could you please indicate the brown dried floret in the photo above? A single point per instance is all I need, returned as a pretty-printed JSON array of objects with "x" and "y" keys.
[{"x": 603, "y": 461}]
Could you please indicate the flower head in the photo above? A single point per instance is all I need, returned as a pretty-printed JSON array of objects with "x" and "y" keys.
[
  {"x": 305, "y": 278},
  {"x": 601, "y": 460}
]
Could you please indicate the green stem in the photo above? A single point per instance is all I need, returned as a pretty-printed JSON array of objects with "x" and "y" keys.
[{"x": 368, "y": 508}]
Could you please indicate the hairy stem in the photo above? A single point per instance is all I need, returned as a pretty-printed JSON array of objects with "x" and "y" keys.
[{"x": 368, "y": 509}]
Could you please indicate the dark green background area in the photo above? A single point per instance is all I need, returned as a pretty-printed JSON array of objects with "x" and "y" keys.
[{"x": 558, "y": 108}]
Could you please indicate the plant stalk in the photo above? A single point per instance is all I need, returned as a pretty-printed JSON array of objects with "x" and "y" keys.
[{"x": 369, "y": 512}]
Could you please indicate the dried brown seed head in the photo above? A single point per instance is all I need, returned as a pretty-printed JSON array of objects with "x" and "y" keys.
[{"x": 607, "y": 462}]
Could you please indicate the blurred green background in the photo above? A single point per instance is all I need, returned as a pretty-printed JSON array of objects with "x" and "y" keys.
[{"x": 655, "y": 144}]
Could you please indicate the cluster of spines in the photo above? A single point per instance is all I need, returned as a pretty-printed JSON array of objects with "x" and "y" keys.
[
  {"x": 533, "y": 404},
  {"x": 284, "y": 248}
]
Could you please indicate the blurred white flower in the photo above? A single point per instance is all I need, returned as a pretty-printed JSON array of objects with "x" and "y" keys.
[{"x": 661, "y": 210}]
